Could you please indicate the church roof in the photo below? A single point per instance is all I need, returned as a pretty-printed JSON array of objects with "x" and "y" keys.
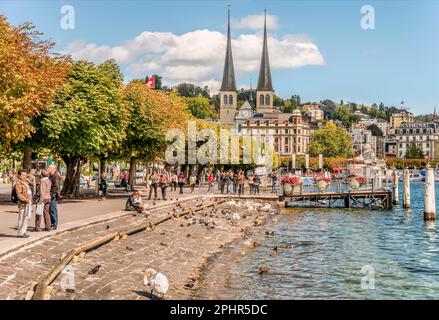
[
  {"x": 229, "y": 83},
  {"x": 264, "y": 80}
]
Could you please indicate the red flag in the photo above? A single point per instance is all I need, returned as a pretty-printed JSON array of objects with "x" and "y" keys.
[{"x": 151, "y": 82}]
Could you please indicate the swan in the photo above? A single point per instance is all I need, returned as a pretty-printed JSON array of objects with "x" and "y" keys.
[{"x": 157, "y": 281}]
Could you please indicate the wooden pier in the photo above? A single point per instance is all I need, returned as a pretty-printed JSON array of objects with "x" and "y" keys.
[{"x": 370, "y": 199}]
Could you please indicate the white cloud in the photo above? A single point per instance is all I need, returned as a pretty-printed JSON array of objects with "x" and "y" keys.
[
  {"x": 255, "y": 22},
  {"x": 198, "y": 56}
]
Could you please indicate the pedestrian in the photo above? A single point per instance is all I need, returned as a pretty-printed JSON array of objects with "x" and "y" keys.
[
  {"x": 250, "y": 183},
  {"x": 55, "y": 178},
  {"x": 103, "y": 185},
  {"x": 164, "y": 184},
  {"x": 228, "y": 181},
  {"x": 153, "y": 180},
  {"x": 256, "y": 184},
  {"x": 210, "y": 181},
  {"x": 181, "y": 181},
  {"x": 174, "y": 180},
  {"x": 43, "y": 202},
  {"x": 235, "y": 182},
  {"x": 192, "y": 182},
  {"x": 241, "y": 183},
  {"x": 223, "y": 181},
  {"x": 273, "y": 181},
  {"x": 24, "y": 196}
]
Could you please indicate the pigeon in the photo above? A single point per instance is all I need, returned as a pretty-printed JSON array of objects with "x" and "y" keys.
[
  {"x": 163, "y": 244},
  {"x": 129, "y": 248},
  {"x": 269, "y": 234},
  {"x": 108, "y": 227},
  {"x": 95, "y": 269},
  {"x": 70, "y": 290},
  {"x": 157, "y": 281}
]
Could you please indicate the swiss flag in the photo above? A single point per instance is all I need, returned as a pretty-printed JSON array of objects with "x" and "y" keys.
[{"x": 151, "y": 82}]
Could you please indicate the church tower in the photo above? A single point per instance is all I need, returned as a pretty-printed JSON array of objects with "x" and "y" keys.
[
  {"x": 228, "y": 93},
  {"x": 264, "y": 90}
]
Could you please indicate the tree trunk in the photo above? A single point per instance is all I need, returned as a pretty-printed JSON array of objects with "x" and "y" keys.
[
  {"x": 102, "y": 165},
  {"x": 132, "y": 172},
  {"x": 71, "y": 184},
  {"x": 27, "y": 158}
]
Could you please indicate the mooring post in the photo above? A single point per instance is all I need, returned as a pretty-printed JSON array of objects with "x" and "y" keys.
[
  {"x": 406, "y": 196},
  {"x": 429, "y": 195},
  {"x": 395, "y": 187}
]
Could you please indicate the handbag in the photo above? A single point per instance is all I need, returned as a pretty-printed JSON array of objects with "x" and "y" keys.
[{"x": 39, "y": 209}]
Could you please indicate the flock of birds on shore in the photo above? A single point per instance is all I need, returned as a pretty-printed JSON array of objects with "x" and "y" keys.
[{"x": 233, "y": 212}]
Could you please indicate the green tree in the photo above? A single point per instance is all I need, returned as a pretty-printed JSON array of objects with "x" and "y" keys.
[
  {"x": 199, "y": 106},
  {"x": 191, "y": 90},
  {"x": 414, "y": 152},
  {"x": 86, "y": 119},
  {"x": 376, "y": 131},
  {"x": 331, "y": 141}
]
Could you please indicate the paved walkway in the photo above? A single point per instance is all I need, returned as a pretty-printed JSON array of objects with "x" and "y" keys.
[{"x": 72, "y": 214}]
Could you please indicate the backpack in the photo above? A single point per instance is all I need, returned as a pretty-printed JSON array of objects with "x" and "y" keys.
[{"x": 14, "y": 196}]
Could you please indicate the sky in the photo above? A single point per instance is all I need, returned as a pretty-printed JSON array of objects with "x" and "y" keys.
[{"x": 318, "y": 49}]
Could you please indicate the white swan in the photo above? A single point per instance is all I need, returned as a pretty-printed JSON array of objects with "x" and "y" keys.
[{"x": 157, "y": 281}]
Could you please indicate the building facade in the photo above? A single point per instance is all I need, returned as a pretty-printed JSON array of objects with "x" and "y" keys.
[
  {"x": 313, "y": 112},
  {"x": 425, "y": 135},
  {"x": 288, "y": 133},
  {"x": 399, "y": 118}
]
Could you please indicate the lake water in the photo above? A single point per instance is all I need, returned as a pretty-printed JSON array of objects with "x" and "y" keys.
[{"x": 329, "y": 253}]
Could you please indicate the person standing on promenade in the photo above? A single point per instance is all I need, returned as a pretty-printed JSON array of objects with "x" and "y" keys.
[
  {"x": 223, "y": 181},
  {"x": 181, "y": 181},
  {"x": 44, "y": 200},
  {"x": 273, "y": 178},
  {"x": 241, "y": 183},
  {"x": 235, "y": 182},
  {"x": 24, "y": 197},
  {"x": 229, "y": 178},
  {"x": 174, "y": 180},
  {"x": 103, "y": 185},
  {"x": 256, "y": 184},
  {"x": 153, "y": 180},
  {"x": 164, "y": 184},
  {"x": 54, "y": 178},
  {"x": 192, "y": 182},
  {"x": 250, "y": 183},
  {"x": 210, "y": 180}
]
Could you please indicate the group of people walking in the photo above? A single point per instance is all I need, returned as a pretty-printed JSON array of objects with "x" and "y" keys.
[
  {"x": 234, "y": 182},
  {"x": 165, "y": 180},
  {"x": 39, "y": 189}
]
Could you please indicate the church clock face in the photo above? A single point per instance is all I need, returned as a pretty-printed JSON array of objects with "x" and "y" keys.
[{"x": 246, "y": 113}]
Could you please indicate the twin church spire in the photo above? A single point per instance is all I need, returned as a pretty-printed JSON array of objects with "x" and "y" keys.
[
  {"x": 228, "y": 92},
  {"x": 264, "y": 81}
]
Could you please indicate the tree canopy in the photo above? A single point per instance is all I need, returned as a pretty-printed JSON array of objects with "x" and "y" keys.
[
  {"x": 331, "y": 141},
  {"x": 30, "y": 75},
  {"x": 414, "y": 152}
]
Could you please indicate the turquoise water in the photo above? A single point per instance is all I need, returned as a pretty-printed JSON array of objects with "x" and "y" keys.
[{"x": 321, "y": 253}]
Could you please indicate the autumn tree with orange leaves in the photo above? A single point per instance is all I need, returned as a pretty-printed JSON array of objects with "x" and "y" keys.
[{"x": 30, "y": 75}]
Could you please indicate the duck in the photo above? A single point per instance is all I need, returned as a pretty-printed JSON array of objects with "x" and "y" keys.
[
  {"x": 269, "y": 234},
  {"x": 157, "y": 281},
  {"x": 263, "y": 269}
]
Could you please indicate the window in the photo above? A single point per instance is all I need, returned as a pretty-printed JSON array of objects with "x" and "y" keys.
[
  {"x": 225, "y": 99},
  {"x": 286, "y": 140},
  {"x": 261, "y": 99},
  {"x": 267, "y": 99},
  {"x": 286, "y": 130},
  {"x": 230, "y": 99}
]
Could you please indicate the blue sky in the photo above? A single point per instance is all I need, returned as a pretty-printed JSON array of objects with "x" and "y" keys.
[{"x": 317, "y": 48}]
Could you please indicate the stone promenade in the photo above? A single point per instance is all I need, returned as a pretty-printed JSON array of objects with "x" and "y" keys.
[{"x": 177, "y": 248}]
